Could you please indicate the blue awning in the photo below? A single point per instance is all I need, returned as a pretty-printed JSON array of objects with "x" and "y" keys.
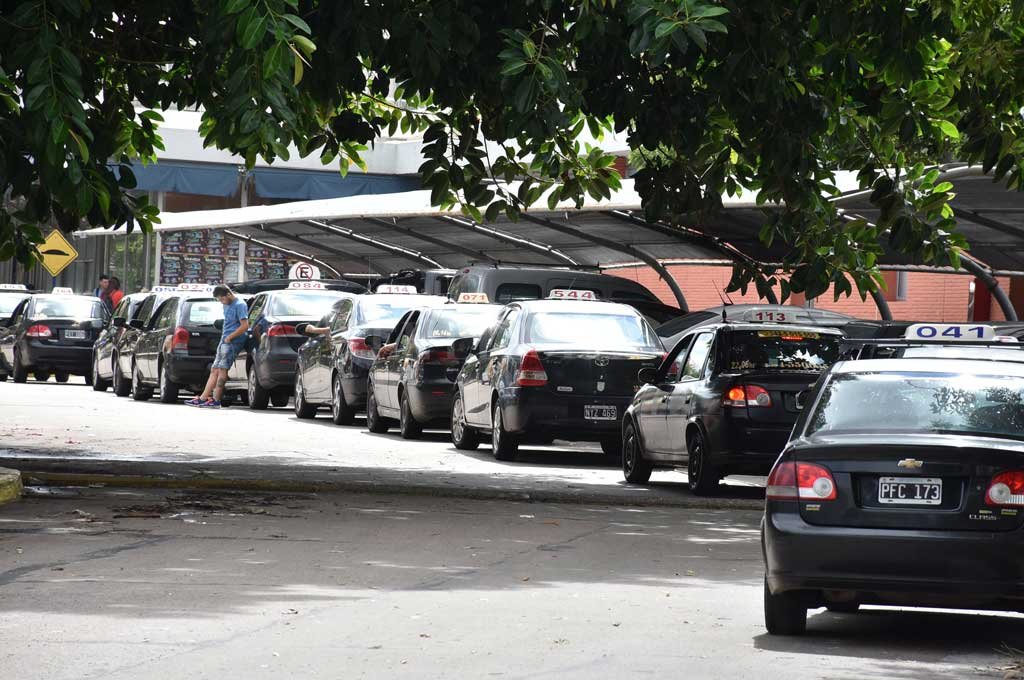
[
  {"x": 205, "y": 179},
  {"x": 317, "y": 184}
]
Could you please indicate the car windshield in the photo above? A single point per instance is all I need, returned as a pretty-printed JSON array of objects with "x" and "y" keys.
[
  {"x": 458, "y": 323},
  {"x": 8, "y": 303},
  {"x": 308, "y": 304},
  {"x": 781, "y": 350},
  {"x": 592, "y": 331},
  {"x": 925, "y": 402},
  {"x": 384, "y": 313},
  {"x": 203, "y": 313},
  {"x": 66, "y": 308}
]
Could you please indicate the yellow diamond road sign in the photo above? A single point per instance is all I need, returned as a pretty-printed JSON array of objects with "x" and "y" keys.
[{"x": 57, "y": 252}]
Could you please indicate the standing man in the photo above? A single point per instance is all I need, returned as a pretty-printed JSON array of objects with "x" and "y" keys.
[
  {"x": 232, "y": 339},
  {"x": 101, "y": 287}
]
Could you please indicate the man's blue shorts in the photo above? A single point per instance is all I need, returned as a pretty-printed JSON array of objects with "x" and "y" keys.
[{"x": 226, "y": 353}]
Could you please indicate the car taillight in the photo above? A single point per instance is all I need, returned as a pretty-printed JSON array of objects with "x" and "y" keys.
[
  {"x": 1006, "y": 489},
  {"x": 281, "y": 329},
  {"x": 791, "y": 481},
  {"x": 179, "y": 341},
  {"x": 359, "y": 348},
  {"x": 39, "y": 331},
  {"x": 748, "y": 395},
  {"x": 531, "y": 371}
]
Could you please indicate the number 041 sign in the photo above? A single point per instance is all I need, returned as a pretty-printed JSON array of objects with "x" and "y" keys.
[{"x": 943, "y": 332}]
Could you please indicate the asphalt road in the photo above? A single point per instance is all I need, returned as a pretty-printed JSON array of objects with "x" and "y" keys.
[{"x": 132, "y": 585}]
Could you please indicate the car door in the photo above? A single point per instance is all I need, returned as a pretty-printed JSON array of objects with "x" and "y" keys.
[
  {"x": 490, "y": 362},
  {"x": 10, "y": 334},
  {"x": 652, "y": 399},
  {"x": 679, "y": 404},
  {"x": 148, "y": 354},
  {"x": 388, "y": 369},
  {"x": 310, "y": 361},
  {"x": 332, "y": 351}
]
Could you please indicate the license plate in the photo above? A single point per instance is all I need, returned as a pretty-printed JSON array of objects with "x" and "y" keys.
[
  {"x": 600, "y": 412},
  {"x": 910, "y": 490},
  {"x": 74, "y": 335}
]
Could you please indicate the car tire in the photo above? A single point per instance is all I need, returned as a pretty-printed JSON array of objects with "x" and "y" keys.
[
  {"x": 61, "y": 376},
  {"x": 41, "y": 376},
  {"x": 139, "y": 391},
  {"x": 464, "y": 437},
  {"x": 635, "y": 468},
  {"x": 259, "y": 398},
  {"x": 20, "y": 370},
  {"x": 122, "y": 386},
  {"x": 227, "y": 400},
  {"x": 843, "y": 607},
  {"x": 98, "y": 384},
  {"x": 375, "y": 422},
  {"x": 303, "y": 410},
  {"x": 168, "y": 390},
  {"x": 702, "y": 476},
  {"x": 784, "y": 613},
  {"x": 341, "y": 412},
  {"x": 504, "y": 446},
  {"x": 3, "y": 377},
  {"x": 279, "y": 398},
  {"x": 408, "y": 426}
]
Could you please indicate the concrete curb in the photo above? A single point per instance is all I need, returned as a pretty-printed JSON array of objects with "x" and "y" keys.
[
  {"x": 70, "y": 472},
  {"x": 10, "y": 485}
]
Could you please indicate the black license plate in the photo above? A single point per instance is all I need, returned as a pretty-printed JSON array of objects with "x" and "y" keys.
[{"x": 910, "y": 491}]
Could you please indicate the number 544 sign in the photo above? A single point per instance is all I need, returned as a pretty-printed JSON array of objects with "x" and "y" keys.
[{"x": 950, "y": 332}]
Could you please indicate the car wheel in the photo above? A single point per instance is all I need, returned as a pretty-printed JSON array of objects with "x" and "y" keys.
[
  {"x": 784, "y": 613},
  {"x": 259, "y": 398},
  {"x": 464, "y": 437},
  {"x": 41, "y": 376},
  {"x": 168, "y": 390},
  {"x": 703, "y": 477},
  {"x": 279, "y": 398},
  {"x": 407, "y": 425},
  {"x": 139, "y": 391},
  {"x": 61, "y": 376},
  {"x": 98, "y": 384},
  {"x": 122, "y": 386},
  {"x": 374, "y": 421},
  {"x": 303, "y": 410},
  {"x": 843, "y": 607},
  {"x": 3, "y": 377},
  {"x": 503, "y": 445},
  {"x": 635, "y": 468},
  {"x": 341, "y": 412},
  {"x": 20, "y": 370},
  {"x": 226, "y": 400}
]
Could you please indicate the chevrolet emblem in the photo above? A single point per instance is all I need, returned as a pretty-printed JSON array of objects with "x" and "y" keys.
[{"x": 911, "y": 463}]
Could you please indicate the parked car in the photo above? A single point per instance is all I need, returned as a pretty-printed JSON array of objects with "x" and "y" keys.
[
  {"x": 412, "y": 381},
  {"x": 553, "y": 366},
  {"x": 251, "y": 288},
  {"x": 52, "y": 334},
  {"x": 671, "y": 331},
  {"x": 724, "y": 400},
  {"x": 332, "y": 369},
  {"x": 176, "y": 347},
  {"x": 508, "y": 283},
  {"x": 11, "y": 295},
  {"x": 428, "y": 281},
  {"x": 116, "y": 328},
  {"x": 902, "y": 485},
  {"x": 123, "y": 350},
  {"x": 270, "y": 353}
]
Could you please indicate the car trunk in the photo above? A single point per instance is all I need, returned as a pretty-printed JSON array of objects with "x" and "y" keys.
[
  {"x": 917, "y": 482},
  {"x": 598, "y": 373},
  {"x": 294, "y": 340},
  {"x": 203, "y": 340},
  {"x": 783, "y": 388},
  {"x": 70, "y": 332}
]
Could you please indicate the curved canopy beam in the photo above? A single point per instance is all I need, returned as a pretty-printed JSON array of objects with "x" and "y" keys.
[
  {"x": 298, "y": 256},
  {"x": 394, "y": 226},
  {"x": 406, "y": 253},
  {"x": 542, "y": 248},
  {"x": 327, "y": 249}
]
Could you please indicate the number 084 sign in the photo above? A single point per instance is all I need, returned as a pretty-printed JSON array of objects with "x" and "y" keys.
[{"x": 950, "y": 332}]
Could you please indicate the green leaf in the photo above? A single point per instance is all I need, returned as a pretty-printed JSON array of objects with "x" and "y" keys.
[
  {"x": 697, "y": 36},
  {"x": 307, "y": 46},
  {"x": 297, "y": 22},
  {"x": 949, "y": 129},
  {"x": 251, "y": 28},
  {"x": 708, "y": 11},
  {"x": 83, "y": 150},
  {"x": 665, "y": 28},
  {"x": 511, "y": 68},
  {"x": 235, "y": 6},
  {"x": 299, "y": 70}
]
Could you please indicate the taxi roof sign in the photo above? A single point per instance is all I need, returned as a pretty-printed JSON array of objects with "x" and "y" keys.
[
  {"x": 196, "y": 287},
  {"x": 306, "y": 285},
  {"x": 393, "y": 288},
  {"x": 571, "y": 294},
  {"x": 950, "y": 332},
  {"x": 767, "y": 314},
  {"x": 163, "y": 289},
  {"x": 473, "y": 298},
  {"x": 63, "y": 290},
  {"x": 13, "y": 286},
  {"x": 56, "y": 253}
]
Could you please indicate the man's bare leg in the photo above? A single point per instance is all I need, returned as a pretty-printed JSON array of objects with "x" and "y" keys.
[
  {"x": 211, "y": 382},
  {"x": 220, "y": 375}
]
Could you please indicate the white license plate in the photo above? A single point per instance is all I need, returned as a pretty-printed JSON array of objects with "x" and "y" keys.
[
  {"x": 910, "y": 490},
  {"x": 74, "y": 335},
  {"x": 600, "y": 412}
]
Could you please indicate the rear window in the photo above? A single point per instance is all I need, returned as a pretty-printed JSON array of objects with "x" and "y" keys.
[
  {"x": 946, "y": 403},
  {"x": 66, "y": 308},
  {"x": 203, "y": 313},
  {"x": 592, "y": 331},
  {"x": 513, "y": 292},
  {"x": 781, "y": 350},
  {"x": 313, "y": 305},
  {"x": 458, "y": 323},
  {"x": 9, "y": 302},
  {"x": 383, "y": 313}
]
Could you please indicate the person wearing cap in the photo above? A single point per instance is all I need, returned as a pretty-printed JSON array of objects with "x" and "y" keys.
[{"x": 232, "y": 340}]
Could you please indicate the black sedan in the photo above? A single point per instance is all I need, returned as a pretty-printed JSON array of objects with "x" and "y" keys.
[
  {"x": 903, "y": 484},
  {"x": 52, "y": 334},
  {"x": 333, "y": 366},
  {"x": 413, "y": 379},
  {"x": 11, "y": 295},
  {"x": 175, "y": 348},
  {"x": 724, "y": 401},
  {"x": 553, "y": 367},
  {"x": 112, "y": 336},
  {"x": 272, "y": 348}
]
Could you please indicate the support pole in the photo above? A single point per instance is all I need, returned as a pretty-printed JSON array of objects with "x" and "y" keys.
[
  {"x": 992, "y": 283},
  {"x": 882, "y": 304}
]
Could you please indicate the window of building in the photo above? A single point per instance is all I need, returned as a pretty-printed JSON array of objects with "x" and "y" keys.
[{"x": 895, "y": 286}]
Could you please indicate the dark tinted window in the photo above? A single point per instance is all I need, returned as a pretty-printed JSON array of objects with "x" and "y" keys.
[
  {"x": 202, "y": 312},
  {"x": 684, "y": 322},
  {"x": 66, "y": 308},
  {"x": 781, "y": 350},
  {"x": 463, "y": 283},
  {"x": 457, "y": 323},
  {"x": 166, "y": 314},
  {"x": 513, "y": 292}
]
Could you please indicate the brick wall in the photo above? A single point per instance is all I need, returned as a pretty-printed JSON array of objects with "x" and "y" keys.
[{"x": 929, "y": 297}]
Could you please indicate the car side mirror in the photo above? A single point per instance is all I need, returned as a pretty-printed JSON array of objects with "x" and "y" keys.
[
  {"x": 98, "y": 324},
  {"x": 137, "y": 324},
  {"x": 119, "y": 322},
  {"x": 801, "y": 399},
  {"x": 300, "y": 328},
  {"x": 219, "y": 324},
  {"x": 374, "y": 342},
  {"x": 647, "y": 375},
  {"x": 462, "y": 348}
]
